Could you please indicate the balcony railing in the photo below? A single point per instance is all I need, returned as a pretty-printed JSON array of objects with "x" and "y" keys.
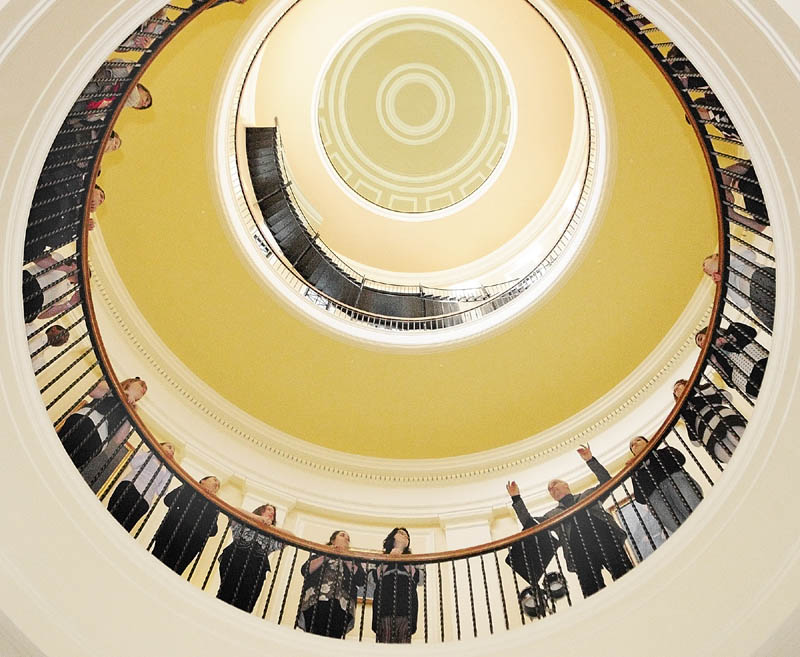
[
  {"x": 556, "y": 561},
  {"x": 294, "y": 248}
]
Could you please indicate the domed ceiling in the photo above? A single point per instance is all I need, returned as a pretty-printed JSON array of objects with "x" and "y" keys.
[
  {"x": 440, "y": 122},
  {"x": 424, "y": 138},
  {"x": 163, "y": 227}
]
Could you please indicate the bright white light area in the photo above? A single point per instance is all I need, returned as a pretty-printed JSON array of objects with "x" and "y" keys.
[{"x": 239, "y": 202}]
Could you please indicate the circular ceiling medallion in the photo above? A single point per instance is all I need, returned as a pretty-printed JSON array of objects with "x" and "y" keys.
[{"x": 415, "y": 112}]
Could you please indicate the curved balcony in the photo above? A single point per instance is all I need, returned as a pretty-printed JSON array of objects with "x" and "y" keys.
[
  {"x": 332, "y": 283},
  {"x": 706, "y": 423},
  {"x": 329, "y": 280}
]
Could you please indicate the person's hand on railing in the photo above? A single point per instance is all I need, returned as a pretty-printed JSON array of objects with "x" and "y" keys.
[
  {"x": 585, "y": 452},
  {"x": 512, "y": 488}
]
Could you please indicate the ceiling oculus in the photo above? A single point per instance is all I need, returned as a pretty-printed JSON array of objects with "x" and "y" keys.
[{"x": 415, "y": 112}]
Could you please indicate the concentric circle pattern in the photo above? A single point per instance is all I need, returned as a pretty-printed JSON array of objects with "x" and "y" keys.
[{"x": 415, "y": 112}]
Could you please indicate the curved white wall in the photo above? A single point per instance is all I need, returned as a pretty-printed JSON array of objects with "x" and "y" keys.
[{"x": 72, "y": 583}]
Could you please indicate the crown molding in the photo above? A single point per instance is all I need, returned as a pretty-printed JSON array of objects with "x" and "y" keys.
[
  {"x": 714, "y": 557},
  {"x": 195, "y": 394}
]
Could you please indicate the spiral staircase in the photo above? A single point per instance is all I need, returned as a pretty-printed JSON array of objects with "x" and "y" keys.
[{"x": 73, "y": 583}]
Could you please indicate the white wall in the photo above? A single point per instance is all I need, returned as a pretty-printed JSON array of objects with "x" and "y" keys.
[
  {"x": 74, "y": 584},
  {"x": 791, "y": 7}
]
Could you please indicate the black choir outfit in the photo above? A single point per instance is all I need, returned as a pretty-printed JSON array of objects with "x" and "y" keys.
[
  {"x": 87, "y": 430},
  {"x": 591, "y": 539},
  {"x": 328, "y": 600},
  {"x": 244, "y": 565},
  {"x": 741, "y": 360},
  {"x": 712, "y": 422},
  {"x": 395, "y": 603},
  {"x": 189, "y": 523},
  {"x": 661, "y": 482}
]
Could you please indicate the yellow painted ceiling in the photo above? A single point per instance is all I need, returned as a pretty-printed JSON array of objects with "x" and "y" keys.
[{"x": 172, "y": 251}]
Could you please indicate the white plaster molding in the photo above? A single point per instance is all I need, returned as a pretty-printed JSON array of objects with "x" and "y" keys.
[
  {"x": 197, "y": 395},
  {"x": 78, "y": 595}
]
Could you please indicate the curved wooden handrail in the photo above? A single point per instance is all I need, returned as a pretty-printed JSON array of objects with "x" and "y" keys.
[{"x": 236, "y": 514}]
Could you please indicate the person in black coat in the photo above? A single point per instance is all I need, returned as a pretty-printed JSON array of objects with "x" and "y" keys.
[
  {"x": 330, "y": 591},
  {"x": 591, "y": 539},
  {"x": 244, "y": 564},
  {"x": 737, "y": 356},
  {"x": 55, "y": 221},
  {"x": 395, "y": 604},
  {"x": 661, "y": 482},
  {"x": 189, "y": 523},
  {"x": 103, "y": 420}
]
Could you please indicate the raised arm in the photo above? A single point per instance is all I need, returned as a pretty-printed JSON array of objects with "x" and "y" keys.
[
  {"x": 519, "y": 507},
  {"x": 595, "y": 466}
]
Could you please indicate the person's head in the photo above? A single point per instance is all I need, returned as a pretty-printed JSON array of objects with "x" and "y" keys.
[
  {"x": 637, "y": 444},
  {"x": 139, "y": 98},
  {"x": 678, "y": 387},
  {"x": 57, "y": 336},
  {"x": 339, "y": 540},
  {"x": 210, "y": 484},
  {"x": 397, "y": 538},
  {"x": 97, "y": 198},
  {"x": 711, "y": 267},
  {"x": 267, "y": 511},
  {"x": 134, "y": 389},
  {"x": 169, "y": 449},
  {"x": 558, "y": 489},
  {"x": 114, "y": 142},
  {"x": 700, "y": 337}
]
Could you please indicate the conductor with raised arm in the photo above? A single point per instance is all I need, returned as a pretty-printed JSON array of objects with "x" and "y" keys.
[{"x": 591, "y": 538}]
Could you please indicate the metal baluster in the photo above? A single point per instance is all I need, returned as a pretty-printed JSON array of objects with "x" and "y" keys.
[
  {"x": 691, "y": 453},
  {"x": 370, "y": 572},
  {"x": 628, "y": 529},
  {"x": 273, "y": 580},
  {"x": 205, "y": 539},
  {"x": 216, "y": 554},
  {"x": 455, "y": 598},
  {"x": 286, "y": 590},
  {"x": 441, "y": 601},
  {"x": 471, "y": 599},
  {"x": 644, "y": 468},
  {"x": 425, "y": 599},
  {"x": 518, "y": 591},
  {"x": 558, "y": 563},
  {"x": 63, "y": 393},
  {"x": 486, "y": 593},
  {"x": 121, "y": 470},
  {"x": 150, "y": 513},
  {"x": 597, "y": 576},
  {"x": 502, "y": 591}
]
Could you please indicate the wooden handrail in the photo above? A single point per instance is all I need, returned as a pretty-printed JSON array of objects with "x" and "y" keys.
[{"x": 236, "y": 514}]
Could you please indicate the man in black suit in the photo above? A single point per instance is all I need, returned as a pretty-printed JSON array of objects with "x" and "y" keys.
[{"x": 591, "y": 538}]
